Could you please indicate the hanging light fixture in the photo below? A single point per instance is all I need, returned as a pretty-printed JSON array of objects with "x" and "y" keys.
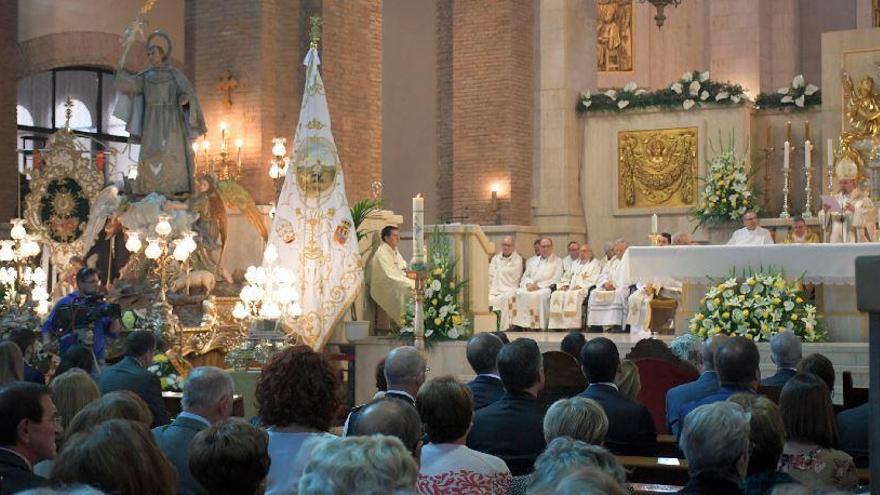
[{"x": 660, "y": 5}]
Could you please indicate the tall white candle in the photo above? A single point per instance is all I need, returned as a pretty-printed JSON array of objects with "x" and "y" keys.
[
  {"x": 829, "y": 152},
  {"x": 654, "y": 223},
  {"x": 786, "y": 155},
  {"x": 418, "y": 216},
  {"x": 808, "y": 156}
]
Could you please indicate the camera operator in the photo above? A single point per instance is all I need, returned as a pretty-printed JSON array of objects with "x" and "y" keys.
[{"x": 83, "y": 316}]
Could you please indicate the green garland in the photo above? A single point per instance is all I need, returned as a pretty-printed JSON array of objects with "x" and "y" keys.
[
  {"x": 768, "y": 101},
  {"x": 799, "y": 95}
]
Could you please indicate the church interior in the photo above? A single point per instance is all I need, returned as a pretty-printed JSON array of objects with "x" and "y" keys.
[{"x": 239, "y": 178}]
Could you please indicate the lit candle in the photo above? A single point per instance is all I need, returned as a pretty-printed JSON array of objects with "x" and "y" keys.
[
  {"x": 418, "y": 216},
  {"x": 807, "y": 130},
  {"x": 654, "y": 222},
  {"x": 808, "y": 158},
  {"x": 222, "y": 137},
  {"x": 785, "y": 156},
  {"x": 238, "y": 145}
]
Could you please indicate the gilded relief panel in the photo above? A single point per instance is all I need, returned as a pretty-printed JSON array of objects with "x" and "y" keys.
[
  {"x": 657, "y": 168},
  {"x": 614, "y": 36}
]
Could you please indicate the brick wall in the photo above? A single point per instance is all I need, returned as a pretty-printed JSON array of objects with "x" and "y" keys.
[
  {"x": 8, "y": 70},
  {"x": 486, "y": 84}
]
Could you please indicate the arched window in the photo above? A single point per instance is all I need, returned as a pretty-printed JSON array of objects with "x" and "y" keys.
[
  {"x": 23, "y": 116},
  {"x": 80, "y": 117}
]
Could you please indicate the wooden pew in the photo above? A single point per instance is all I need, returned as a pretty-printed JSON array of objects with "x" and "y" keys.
[
  {"x": 655, "y": 470},
  {"x": 667, "y": 446},
  {"x": 654, "y": 489}
]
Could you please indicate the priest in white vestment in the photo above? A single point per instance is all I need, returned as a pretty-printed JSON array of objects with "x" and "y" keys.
[
  {"x": 574, "y": 249},
  {"x": 607, "y": 306},
  {"x": 752, "y": 234},
  {"x": 567, "y": 302},
  {"x": 532, "y": 300},
  {"x": 856, "y": 221},
  {"x": 505, "y": 272},
  {"x": 389, "y": 285}
]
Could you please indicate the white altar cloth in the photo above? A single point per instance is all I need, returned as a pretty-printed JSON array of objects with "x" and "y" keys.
[{"x": 818, "y": 263}]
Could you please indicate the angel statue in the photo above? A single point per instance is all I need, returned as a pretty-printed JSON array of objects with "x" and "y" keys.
[
  {"x": 862, "y": 109},
  {"x": 160, "y": 107}
]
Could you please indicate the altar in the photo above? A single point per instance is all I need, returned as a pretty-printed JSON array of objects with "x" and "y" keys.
[{"x": 831, "y": 267}]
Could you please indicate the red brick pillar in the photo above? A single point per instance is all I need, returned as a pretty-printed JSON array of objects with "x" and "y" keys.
[
  {"x": 8, "y": 84},
  {"x": 486, "y": 73}
]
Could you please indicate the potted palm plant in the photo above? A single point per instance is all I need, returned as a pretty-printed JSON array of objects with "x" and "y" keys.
[{"x": 360, "y": 211}]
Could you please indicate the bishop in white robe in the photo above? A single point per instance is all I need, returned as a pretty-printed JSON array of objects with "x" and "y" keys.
[
  {"x": 752, "y": 234},
  {"x": 607, "y": 306},
  {"x": 532, "y": 299},
  {"x": 857, "y": 221},
  {"x": 389, "y": 285},
  {"x": 567, "y": 302},
  {"x": 505, "y": 272}
]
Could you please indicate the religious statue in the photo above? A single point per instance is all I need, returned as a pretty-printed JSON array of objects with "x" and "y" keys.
[
  {"x": 160, "y": 107},
  {"x": 863, "y": 115},
  {"x": 614, "y": 35},
  {"x": 850, "y": 212}
]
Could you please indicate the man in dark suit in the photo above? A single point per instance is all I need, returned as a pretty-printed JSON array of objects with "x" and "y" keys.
[
  {"x": 131, "y": 374},
  {"x": 482, "y": 354},
  {"x": 853, "y": 426},
  {"x": 207, "y": 399},
  {"x": 705, "y": 385},
  {"x": 405, "y": 370},
  {"x": 785, "y": 351},
  {"x": 25, "y": 339},
  {"x": 29, "y": 424},
  {"x": 737, "y": 362},
  {"x": 631, "y": 429},
  {"x": 512, "y": 427}
]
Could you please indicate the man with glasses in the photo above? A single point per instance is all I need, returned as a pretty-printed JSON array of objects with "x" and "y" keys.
[
  {"x": 29, "y": 425},
  {"x": 752, "y": 234}
]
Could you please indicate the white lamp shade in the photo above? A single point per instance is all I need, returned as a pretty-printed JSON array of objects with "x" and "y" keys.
[
  {"x": 133, "y": 243},
  {"x": 154, "y": 250},
  {"x": 278, "y": 149},
  {"x": 163, "y": 228},
  {"x": 250, "y": 275},
  {"x": 18, "y": 231},
  {"x": 30, "y": 247},
  {"x": 39, "y": 276},
  {"x": 6, "y": 252},
  {"x": 250, "y": 294},
  {"x": 39, "y": 293},
  {"x": 133, "y": 172},
  {"x": 274, "y": 171},
  {"x": 284, "y": 295},
  {"x": 239, "y": 311},
  {"x": 42, "y": 308},
  {"x": 181, "y": 253},
  {"x": 270, "y": 310},
  {"x": 295, "y": 310}
]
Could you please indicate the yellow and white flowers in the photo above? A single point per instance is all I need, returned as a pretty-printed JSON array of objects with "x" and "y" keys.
[{"x": 727, "y": 194}]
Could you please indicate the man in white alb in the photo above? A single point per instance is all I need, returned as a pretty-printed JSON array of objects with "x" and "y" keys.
[
  {"x": 607, "y": 304},
  {"x": 752, "y": 234},
  {"x": 856, "y": 221},
  {"x": 505, "y": 272},
  {"x": 567, "y": 301},
  {"x": 574, "y": 249},
  {"x": 533, "y": 297},
  {"x": 389, "y": 285}
]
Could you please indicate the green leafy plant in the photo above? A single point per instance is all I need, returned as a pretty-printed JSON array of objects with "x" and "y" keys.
[
  {"x": 798, "y": 96},
  {"x": 360, "y": 211}
]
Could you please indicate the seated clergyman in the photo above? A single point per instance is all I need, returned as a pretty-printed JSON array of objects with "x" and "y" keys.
[
  {"x": 607, "y": 306},
  {"x": 567, "y": 301},
  {"x": 389, "y": 285},
  {"x": 533, "y": 297},
  {"x": 505, "y": 271},
  {"x": 751, "y": 234},
  {"x": 800, "y": 233}
]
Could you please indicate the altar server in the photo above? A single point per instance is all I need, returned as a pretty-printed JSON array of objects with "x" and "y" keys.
[
  {"x": 607, "y": 306},
  {"x": 752, "y": 234},
  {"x": 574, "y": 248},
  {"x": 389, "y": 285},
  {"x": 566, "y": 303},
  {"x": 856, "y": 220},
  {"x": 505, "y": 272},
  {"x": 532, "y": 302}
]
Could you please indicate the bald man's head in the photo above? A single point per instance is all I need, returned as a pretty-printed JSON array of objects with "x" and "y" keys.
[
  {"x": 507, "y": 246},
  {"x": 389, "y": 416},
  {"x": 405, "y": 369}
]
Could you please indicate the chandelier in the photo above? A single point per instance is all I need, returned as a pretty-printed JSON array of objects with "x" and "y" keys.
[
  {"x": 660, "y": 5},
  {"x": 223, "y": 165},
  {"x": 23, "y": 285}
]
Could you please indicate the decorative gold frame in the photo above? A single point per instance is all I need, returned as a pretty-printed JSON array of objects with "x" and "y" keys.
[{"x": 657, "y": 168}]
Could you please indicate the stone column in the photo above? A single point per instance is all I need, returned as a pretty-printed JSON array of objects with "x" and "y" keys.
[
  {"x": 567, "y": 47},
  {"x": 485, "y": 108},
  {"x": 8, "y": 94}
]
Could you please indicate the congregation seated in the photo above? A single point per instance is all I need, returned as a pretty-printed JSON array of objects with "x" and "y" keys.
[
  {"x": 767, "y": 434},
  {"x": 392, "y": 417},
  {"x": 751, "y": 234},
  {"x": 446, "y": 464},
  {"x": 852, "y": 424},
  {"x": 207, "y": 399},
  {"x": 297, "y": 399},
  {"x": 29, "y": 424},
  {"x": 631, "y": 428},
  {"x": 230, "y": 457},
  {"x": 11, "y": 363},
  {"x": 565, "y": 456},
  {"x": 79, "y": 356},
  {"x": 563, "y": 377},
  {"x": 607, "y": 303},
  {"x": 576, "y": 418},
  {"x": 405, "y": 370},
  {"x": 566, "y": 303},
  {"x": 572, "y": 344},
  {"x": 511, "y": 428},
  {"x": 505, "y": 272},
  {"x": 821, "y": 366},
  {"x": 736, "y": 362},
  {"x": 785, "y": 352},
  {"x": 532, "y": 300},
  {"x": 715, "y": 441},
  {"x": 93, "y": 457},
  {"x": 688, "y": 348},
  {"x": 26, "y": 339},
  {"x": 810, "y": 454},
  {"x": 482, "y": 354},
  {"x": 373, "y": 465},
  {"x": 589, "y": 481},
  {"x": 704, "y": 386},
  {"x": 122, "y": 404},
  {"x": 381, "y": 382},
  {"x": 131, "y": 374},
  {"x": 628, "y": 381}
]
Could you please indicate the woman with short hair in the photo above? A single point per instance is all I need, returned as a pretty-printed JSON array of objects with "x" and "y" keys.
[
  {"x": 11, "y": 363},
  {"x": 447, "y": 464},
  {"x": 577, "y": 418},
  {"x": 810, "y": 454}
]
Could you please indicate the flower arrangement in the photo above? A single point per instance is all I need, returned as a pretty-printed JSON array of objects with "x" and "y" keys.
[
  {"x": 758, "y": 307},
  {"x": 693, "y": 89},
  {"x": 444, "y": 315},
  {"x": 727, "y": 194},
  {"x": 167, "y": 373},
  {"x": 798, "y": 95}
]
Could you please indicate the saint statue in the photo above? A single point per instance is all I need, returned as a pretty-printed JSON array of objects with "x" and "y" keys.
[
  {"x": 854, "y": 217},
  {"x": 160, "y": 107}
]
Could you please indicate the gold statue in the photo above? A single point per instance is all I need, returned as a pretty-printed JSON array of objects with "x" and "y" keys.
[
  {"x": 863, "y": 115},
  {"x": 614, "y": 35}
]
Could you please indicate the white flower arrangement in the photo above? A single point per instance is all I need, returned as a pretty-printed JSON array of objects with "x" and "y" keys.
[
  {"x": 757, "y": 308},
  {"x": 167, "y": 373},
  {"x": 693, "y": 89},
  {"x": 726, "y": 195},
  {"x": 798, "y": 91}
]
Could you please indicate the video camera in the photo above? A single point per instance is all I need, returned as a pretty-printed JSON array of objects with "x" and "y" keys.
[{"x": 80, "y": 315}]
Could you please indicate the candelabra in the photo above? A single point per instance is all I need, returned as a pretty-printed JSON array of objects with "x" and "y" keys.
[
  {"x": 223, "y": 166},
  {"x": 808, "y": 187},
  {"x": 23, "y": 284},
  {"x": 785, "y": 191},
  {"x": 768, "y": 155},
  {"x": 420, "y": 276},
  {"x": 279, "y": 164}
]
